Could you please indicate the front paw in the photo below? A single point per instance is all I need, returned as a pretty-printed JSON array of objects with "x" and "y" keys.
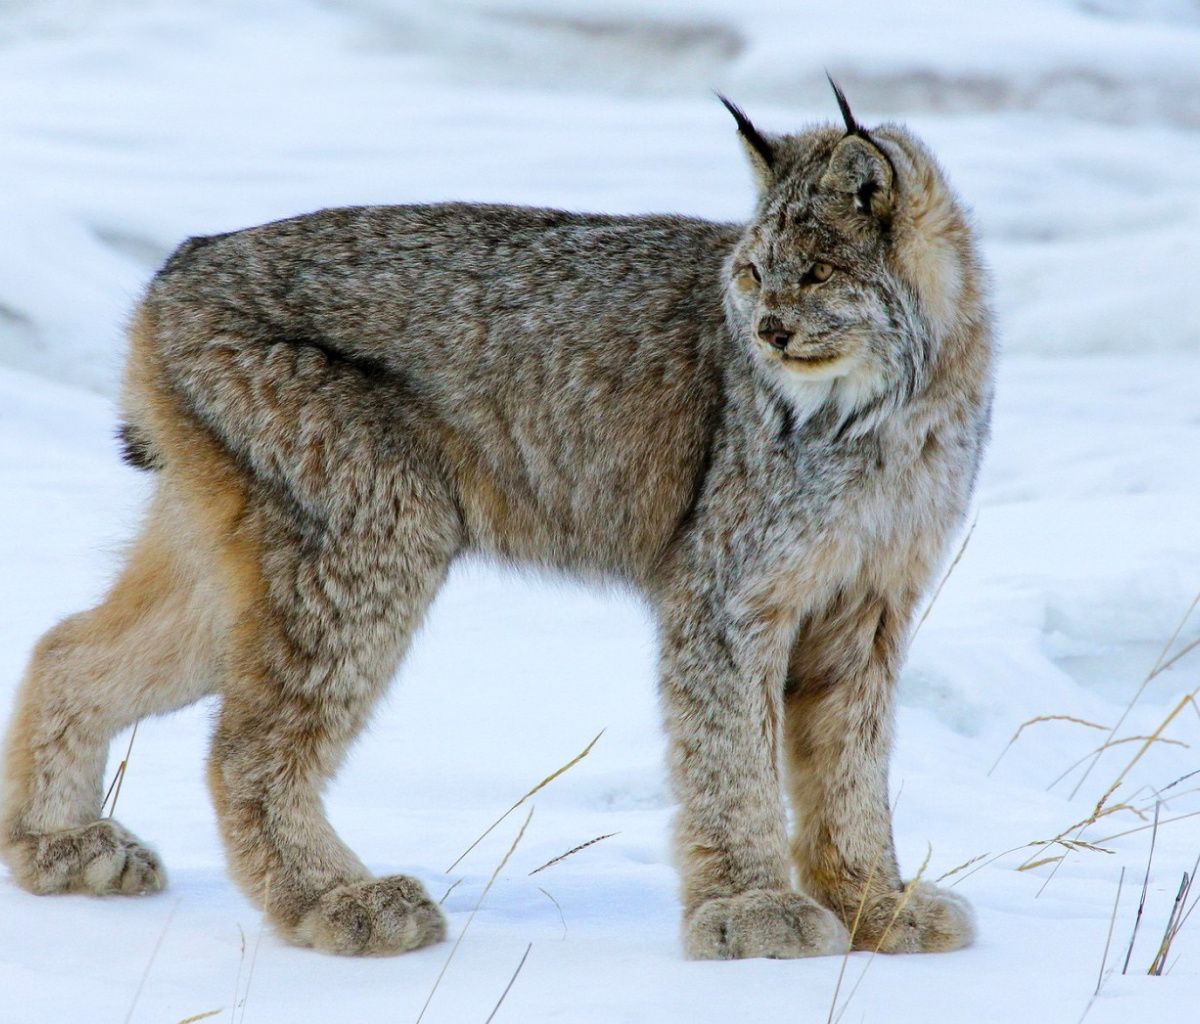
[
  {"x": 381, "y": 917},
  {"x": 762, "y": 923},
  {"x": 926, "y": 920}
]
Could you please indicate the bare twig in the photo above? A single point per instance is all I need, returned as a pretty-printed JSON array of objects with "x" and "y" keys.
[{"x": 545, "y": 782}]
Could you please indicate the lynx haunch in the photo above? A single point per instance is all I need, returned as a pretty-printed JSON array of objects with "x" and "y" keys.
[{"x": 771, "y": 430}]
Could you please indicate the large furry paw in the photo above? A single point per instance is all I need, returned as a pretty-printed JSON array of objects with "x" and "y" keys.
[
  {"x": 779, "y": 925},
  {"x": 930, "y": 920},
  {"x": 102, "y": 859},
  {"x": 381, "y": 917}
]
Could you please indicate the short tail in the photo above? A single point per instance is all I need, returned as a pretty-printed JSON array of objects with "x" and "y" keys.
[{"x": 136, "y": 448}]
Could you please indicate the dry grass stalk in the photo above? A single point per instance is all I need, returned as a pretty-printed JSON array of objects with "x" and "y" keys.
[
  {"x": 853, "y": 930},
  {"x": 1030, "y": 865},
  {"x": 1042, "y": 718},
  {"x": 447, "y": 893},
  {"x": 150, "y": 963},
  {"x": 957, "y": 558},
  {"x": 479, "y": 903},
  {"x": 541, "y": 785},
  {"x": 961, "y": 867},
  {"x": 119, "y": 776},
  {"x": 1154, "y": 736},
  {"x": 509, "y": 985},
  {"x": 201, "y": 1016},
  {"x": 1142, "y": 828},
  {"x": 1108, "y": 941},
  {"x": 1174, "y": 922},
  {"x": 262, "y": 924},
  {"x": 1108, "y": 744},
  {"x": 1137, "y": 921},
  {"x": 1098, "y": 812},
  {"x": 1180, "y": 912},
  {"x": 1182, "y": 778},
  {"x": 1160, "y": 665},
  {"x": 574, "y": 849},
  {"x": 561, "y": 917},
  {"x": 237, "y": 980},
  {"x": 903, "y": 902}
]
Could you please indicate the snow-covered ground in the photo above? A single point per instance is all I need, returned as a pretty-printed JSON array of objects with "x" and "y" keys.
[{"x": 1072, "y": 127}]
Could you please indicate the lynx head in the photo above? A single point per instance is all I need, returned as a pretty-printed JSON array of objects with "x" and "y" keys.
[{"x": 858, "y": 266}]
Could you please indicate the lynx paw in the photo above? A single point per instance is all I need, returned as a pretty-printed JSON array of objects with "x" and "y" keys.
[
  {"x": 381, "y": 917},
  {"x": 103, "y": 859},
  {"x": 931, "y": 920},
  {"x": 779, "y": 925}
]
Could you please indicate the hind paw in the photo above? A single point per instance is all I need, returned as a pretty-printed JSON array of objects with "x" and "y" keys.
[{"x": 102, "y": 859}]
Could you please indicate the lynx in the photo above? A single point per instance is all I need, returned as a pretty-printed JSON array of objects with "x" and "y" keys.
[{"x": 771, "y": 431}]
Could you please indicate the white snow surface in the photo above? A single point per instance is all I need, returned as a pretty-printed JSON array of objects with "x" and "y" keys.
[{"x": 1071, "y": 128}]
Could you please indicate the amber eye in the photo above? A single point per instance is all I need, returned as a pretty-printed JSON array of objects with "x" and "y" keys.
[
  {"x": 820, "y": 272},
  {"x": 748, "y": 278}
]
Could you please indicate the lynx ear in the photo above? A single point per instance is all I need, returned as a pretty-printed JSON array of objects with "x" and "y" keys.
[
  {"x": 762, "y": 154},
  {"x": 861, "y": 167}
]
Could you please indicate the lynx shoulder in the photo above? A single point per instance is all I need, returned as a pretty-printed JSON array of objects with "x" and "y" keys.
[{"x": 770, "y": 429}]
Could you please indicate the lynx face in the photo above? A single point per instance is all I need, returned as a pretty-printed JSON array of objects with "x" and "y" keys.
[{"x": 839, "y": 287}]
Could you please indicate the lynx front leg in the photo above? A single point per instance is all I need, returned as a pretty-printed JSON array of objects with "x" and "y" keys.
[
  {"x": 308, "y": 662},
  {"x": 838, "y": 721},
  {"x": 722, "y": 709}
]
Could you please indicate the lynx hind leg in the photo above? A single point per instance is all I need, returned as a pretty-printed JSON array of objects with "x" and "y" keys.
[
  {"x": 150, "y": 647},
  {"x": 838, "y": 720},
  {"x": 328, "y": 608}
]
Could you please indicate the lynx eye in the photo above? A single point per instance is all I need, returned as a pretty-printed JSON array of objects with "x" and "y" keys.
[
  {"x": 748, "y": 278},
  {"x": 818, "y": 273}
]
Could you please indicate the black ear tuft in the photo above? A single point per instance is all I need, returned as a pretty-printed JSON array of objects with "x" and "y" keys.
[
  {"x": 751, "y": 134},
  {"x": 852, "y": 126}
]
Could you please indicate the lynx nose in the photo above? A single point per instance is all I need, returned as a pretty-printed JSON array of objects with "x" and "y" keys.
[{"x": 772, "y": 332}]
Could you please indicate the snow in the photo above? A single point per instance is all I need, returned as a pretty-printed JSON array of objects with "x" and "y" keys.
[{"x": 1071, "y": 127}]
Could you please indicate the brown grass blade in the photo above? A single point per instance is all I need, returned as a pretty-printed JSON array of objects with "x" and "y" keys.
[
  {"x": 492, "y": 1015},
  {"x": 1034, "y": 721},
  {"x": 475, "y": 909},
  {"x": 119, "y": 777},
  {"x": 541, "y": 785},
  {"x": 1159, "y": 666},
  {"x": 957, "y": 558},
  {"x": 573, "y": 850}
]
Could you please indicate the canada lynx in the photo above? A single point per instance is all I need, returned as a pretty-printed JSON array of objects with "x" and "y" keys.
[{"x": 770, "y": 430}]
